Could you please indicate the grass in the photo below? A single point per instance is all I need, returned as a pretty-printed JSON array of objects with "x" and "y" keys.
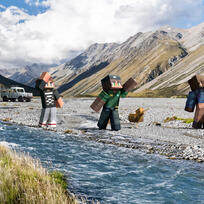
[
  {"x": 6, "y": 119},
  {"x": 167, "y": 92},
  {"x": 158, "y": 93},
  {"x": 147, "y": 93},
  {"x": 4, "y": 104},
  {"x": 23, "y": 180},
  {"x": 185, "y": 120}
]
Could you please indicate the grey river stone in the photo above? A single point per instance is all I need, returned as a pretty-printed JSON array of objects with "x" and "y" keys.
[{"x": 174, "y": 139}]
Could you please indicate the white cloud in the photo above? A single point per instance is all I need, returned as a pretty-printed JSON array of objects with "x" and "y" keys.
[
  {"x": 44, "y": 3},
  {"x": 74, "y": 24},
  {"x": 2, "y": 7}
]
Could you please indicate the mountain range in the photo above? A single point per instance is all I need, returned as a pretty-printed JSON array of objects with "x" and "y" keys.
[{"x": 161, "y": 62}]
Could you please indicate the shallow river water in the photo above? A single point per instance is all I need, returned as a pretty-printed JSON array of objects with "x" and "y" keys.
[{"x": 108, "y": 173}]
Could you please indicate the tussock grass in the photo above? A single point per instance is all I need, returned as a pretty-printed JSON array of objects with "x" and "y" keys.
[
  {"x": 4, "y": 104},
  {"x": 6, "y": 119},
  {"x": 23, "y": 180},
  {"x": 158, "y": 93},
  {"x": 185, "y": 120}
]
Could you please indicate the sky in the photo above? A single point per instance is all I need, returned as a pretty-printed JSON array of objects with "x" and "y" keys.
[{"x": 54, "y": 31}]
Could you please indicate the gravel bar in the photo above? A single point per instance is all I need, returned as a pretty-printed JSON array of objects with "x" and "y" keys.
[{"x": 174, "y": 139}]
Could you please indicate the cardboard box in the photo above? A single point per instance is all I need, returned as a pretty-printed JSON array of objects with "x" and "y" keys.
[
  {"x": 196, "y": 82},
  {"x": 111, "y": 82},
  {"x": 45, "y": 76}
]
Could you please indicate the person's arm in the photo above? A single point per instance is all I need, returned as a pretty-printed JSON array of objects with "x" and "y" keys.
[
  {"x": 123, "y": 93},
  {"x": 128, "y": 86},
  {"x": 100, "y": 101},
  {"x": 59, "y": 101},
  {"x": 191, "y": 101}
]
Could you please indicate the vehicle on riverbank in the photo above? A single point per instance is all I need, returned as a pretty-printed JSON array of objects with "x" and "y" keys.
[{"x": 15, "y": 93}]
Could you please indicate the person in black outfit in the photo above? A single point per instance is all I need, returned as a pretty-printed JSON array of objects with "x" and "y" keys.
[{"x": 49, "y": 98}]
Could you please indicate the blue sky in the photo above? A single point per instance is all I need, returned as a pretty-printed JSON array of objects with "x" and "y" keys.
[
  {"x": 31, "y": 9},
  {"x": 50, "y": 31}
]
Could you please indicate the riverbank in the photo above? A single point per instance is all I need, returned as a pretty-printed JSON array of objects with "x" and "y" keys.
[
  {"x": 24, "y": 180},
  {"x": 174, "y": 139}
]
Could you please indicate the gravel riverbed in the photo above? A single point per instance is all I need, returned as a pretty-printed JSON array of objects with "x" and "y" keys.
[{"x": 174, "y": 139}]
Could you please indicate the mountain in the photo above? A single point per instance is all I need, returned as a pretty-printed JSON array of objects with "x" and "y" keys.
[
  {"x": 91, "y": 56},
  {"x": 9, "y": 82},
  {"x": 26, "y": 75},
  {"x": 8, "y": 72},
  {"x": 143, "y": 56},
  {"x": 161, "y": 61},
  {"x": 174, "y": 80},
  {"x": 83, "y": 62}
]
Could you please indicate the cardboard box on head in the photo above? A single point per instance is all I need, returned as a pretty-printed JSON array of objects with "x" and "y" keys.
[
  {"x": 196, "y": 82},
  {"x": 111, "y": 82},
  {"x": 45, "y": 76}
]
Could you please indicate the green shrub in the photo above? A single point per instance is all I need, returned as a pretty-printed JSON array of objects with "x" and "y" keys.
[{"x": 185, "y": 120}]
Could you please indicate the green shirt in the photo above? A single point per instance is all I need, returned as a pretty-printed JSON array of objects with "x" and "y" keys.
[{"x": 112, "y": 99}]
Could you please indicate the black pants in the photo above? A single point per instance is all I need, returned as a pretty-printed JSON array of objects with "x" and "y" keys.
[
  {"x": 112, "y": 114},
  {"x": 198, "y": 125}
]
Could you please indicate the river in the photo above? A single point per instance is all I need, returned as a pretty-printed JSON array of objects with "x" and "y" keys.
[{"x": 108, "y": 173}]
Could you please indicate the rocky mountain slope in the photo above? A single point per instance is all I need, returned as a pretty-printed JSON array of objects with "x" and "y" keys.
[
  {"x": 143, "y": 56},
  {"x": 10, "y": 82},
  {"x": 26, "y": 75},
  {"x": 160, "y": 61},
  {"x": 174, "y": 80}
]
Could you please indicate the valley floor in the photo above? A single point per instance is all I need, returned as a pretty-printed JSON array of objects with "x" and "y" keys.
[{"x": 174, "y": 139}]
